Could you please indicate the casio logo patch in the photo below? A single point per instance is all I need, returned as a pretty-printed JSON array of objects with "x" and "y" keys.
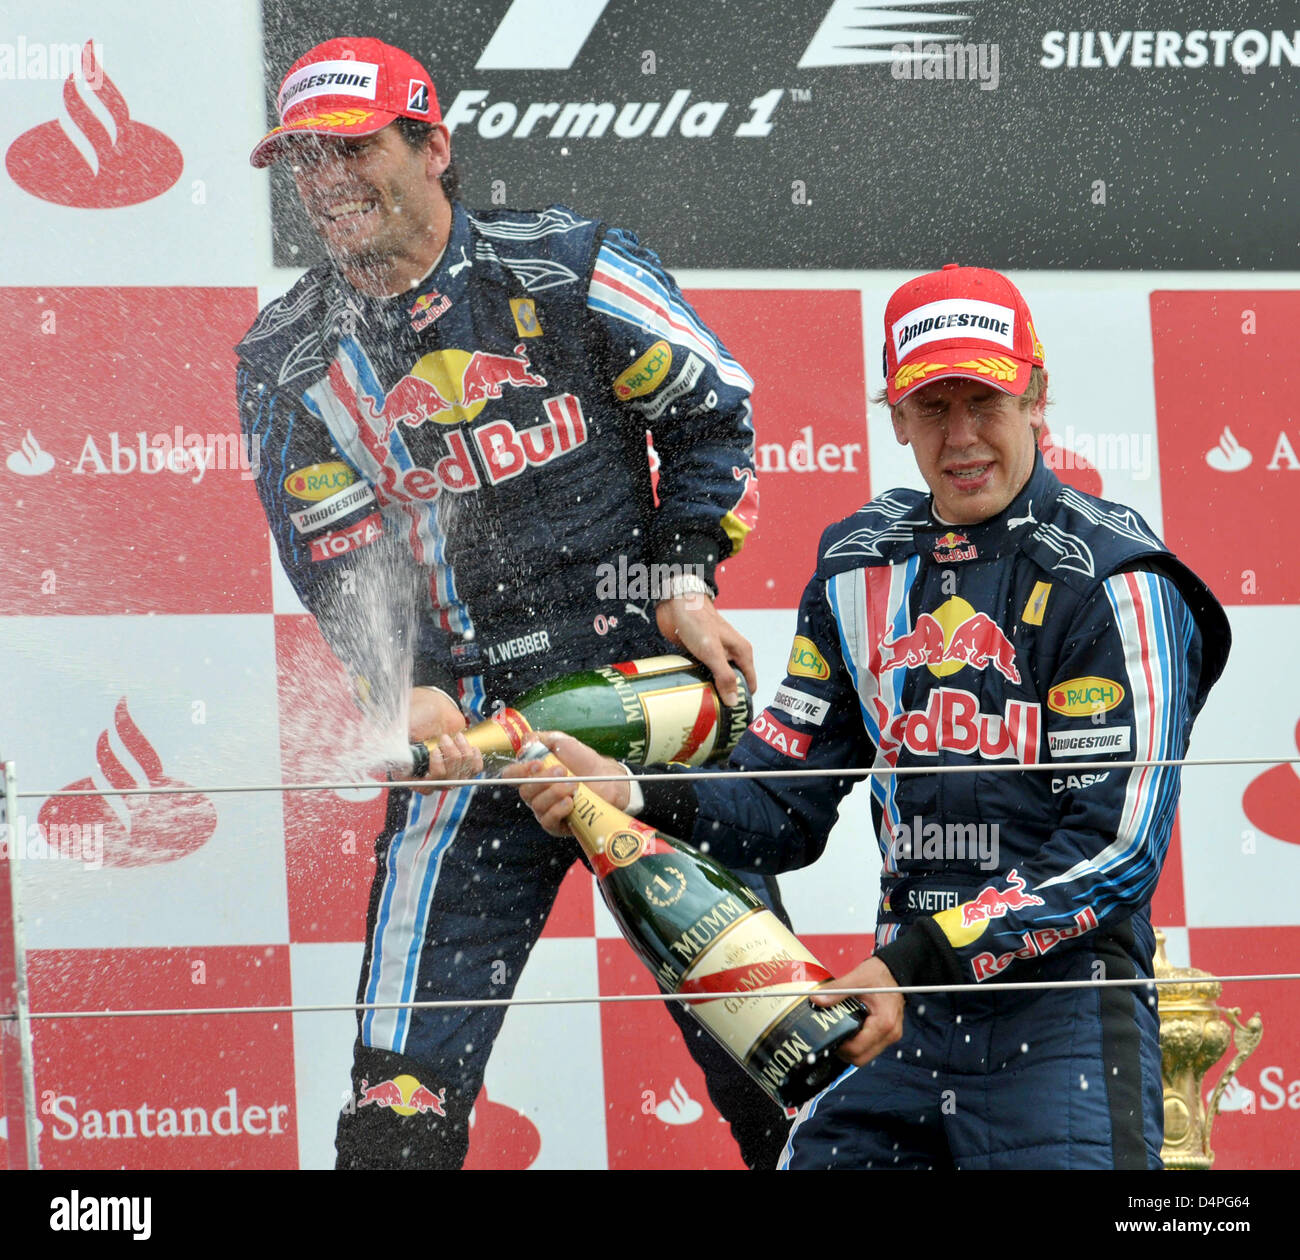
[{"x": 1077, "y": 782}]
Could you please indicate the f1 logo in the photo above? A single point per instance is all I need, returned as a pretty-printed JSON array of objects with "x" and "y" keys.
[
  {"x": 531, "y": 38},
  {"x": 417, "y": 96}
]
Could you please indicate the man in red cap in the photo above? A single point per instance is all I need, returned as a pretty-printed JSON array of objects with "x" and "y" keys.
[
  {"x": 452, "y": 416},
  {"x": 1002, "y": 620}
]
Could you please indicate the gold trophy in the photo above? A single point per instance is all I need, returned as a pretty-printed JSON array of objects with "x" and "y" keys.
[{"x": 1194, "y": 1034}]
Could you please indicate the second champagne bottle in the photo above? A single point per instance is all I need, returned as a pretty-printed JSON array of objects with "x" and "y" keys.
[{"x": 657, "y": 709}]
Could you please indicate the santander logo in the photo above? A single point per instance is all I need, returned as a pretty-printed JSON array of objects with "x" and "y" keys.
[
  {"x": 29, "y": 460},
  {"x": 94, "y": 155},
  {"x": 500, "y": 1137},
  {"x": 1272, "y": 800},
  {"x": 137, "y": 830},
  {"x": 679, "y": 1107}
]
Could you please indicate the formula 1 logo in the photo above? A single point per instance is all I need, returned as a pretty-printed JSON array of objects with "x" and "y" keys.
[
  {"x": 781, "y": 737},
  {"x": 529, "y": 38},
  {"x": 845, "y": 37}
]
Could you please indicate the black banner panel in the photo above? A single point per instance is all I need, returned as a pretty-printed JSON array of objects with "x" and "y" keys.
[{"x": 840, "y": 134}]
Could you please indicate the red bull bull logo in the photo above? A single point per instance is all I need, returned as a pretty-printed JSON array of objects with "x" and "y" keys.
[
  {"x": 452, "y": 386},
  {"x": 428, "y": 307},
  {"x": 993, "y": 904},
  {"x": 404, "y": 1094},
  {"x": 951, "y": 547},
  {"x": 952, "y": 637}
]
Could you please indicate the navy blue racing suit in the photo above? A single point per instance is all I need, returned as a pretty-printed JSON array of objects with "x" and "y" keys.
[
  {"x": 463, "y": 469},
  {"x": 1060, "y": 630}
]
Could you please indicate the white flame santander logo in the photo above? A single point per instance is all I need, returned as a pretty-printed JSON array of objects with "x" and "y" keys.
[
  {"x": 29, "y": 460},
  {"x": 137, "y": 830},
  {"x": 679, "y": 1107},
  {"x": 95, "y": 155}
]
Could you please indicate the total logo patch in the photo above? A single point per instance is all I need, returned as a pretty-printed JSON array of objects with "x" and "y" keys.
[
  {"x": 806, "y": 661},
  {"x": 646, "y": 374},
  {"x": 779, "y": 736},
  {"x": 1082, "y": 697},
  {"x": 319, "y": 481},
  {"x": 340, "y": 541}
]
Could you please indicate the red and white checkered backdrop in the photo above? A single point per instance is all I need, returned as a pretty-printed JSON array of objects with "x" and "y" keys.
[{"x": 148, "y": 636}]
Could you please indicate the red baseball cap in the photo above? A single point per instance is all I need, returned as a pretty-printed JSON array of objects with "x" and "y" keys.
[
  {"x": 961, "y": 321},
  {"x": 348, "y": 87}
]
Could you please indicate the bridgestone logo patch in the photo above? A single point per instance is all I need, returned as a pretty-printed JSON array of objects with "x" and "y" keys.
[
  {"x": 330, "y": 78},
  {"x": 1109, "y": 739},
  {"x": 332, "y": 509},
  {"x": 799, "y": 704},
  {"x": 953, "y": 318}
]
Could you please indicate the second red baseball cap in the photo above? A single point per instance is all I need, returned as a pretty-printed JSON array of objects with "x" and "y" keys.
[
  {"x": 348, "y": 87},
  {"x": 959, "y": 321}
]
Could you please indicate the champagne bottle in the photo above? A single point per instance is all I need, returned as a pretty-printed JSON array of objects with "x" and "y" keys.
[
  {"x": 660, "y": 708},
  {"x": 700, "y": 930}
]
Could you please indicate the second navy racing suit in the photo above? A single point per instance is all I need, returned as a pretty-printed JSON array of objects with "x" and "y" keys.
[
  {"x": 483, "y": 437},
  {"x": 1061, "y": 630}
]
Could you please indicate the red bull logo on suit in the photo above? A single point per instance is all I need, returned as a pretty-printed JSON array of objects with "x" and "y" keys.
[
  {"x": 993, "y": 904},
  {"x": 404, "y": 1094},
  {"x": 951, "y": 638},
  {"x": 451, "y": 386},
  {"x": 952, "y": 721}
]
